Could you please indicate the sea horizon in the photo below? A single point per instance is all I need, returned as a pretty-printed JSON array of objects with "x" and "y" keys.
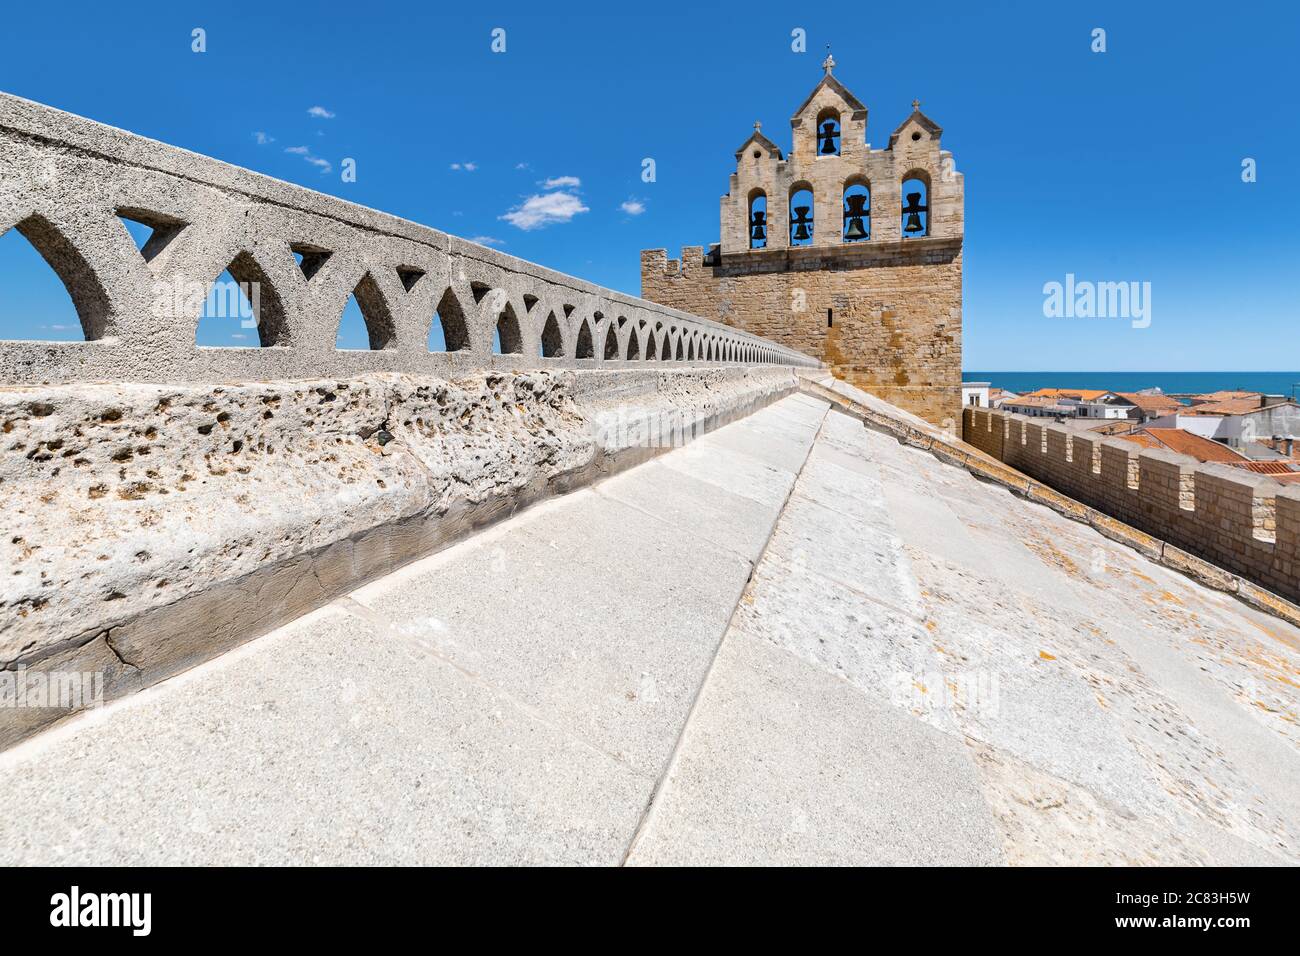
[{"x": 1170, "y": 383}]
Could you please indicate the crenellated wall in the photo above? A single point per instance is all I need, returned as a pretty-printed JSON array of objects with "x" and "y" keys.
[
  {"x": 1245, "y": 523},
  {"x": 66, "y": 183}
]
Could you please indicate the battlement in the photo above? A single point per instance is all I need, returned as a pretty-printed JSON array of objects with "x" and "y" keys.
[
  {"x": 1237, "y": 520},
  {"x": 656, "y": 261}
]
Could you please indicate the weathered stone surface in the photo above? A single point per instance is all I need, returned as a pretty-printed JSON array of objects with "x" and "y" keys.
[
  {"x": 963, "y": 676},
  {"x": 1105, "y": 704},
  {"x": 170, "y": 523}
]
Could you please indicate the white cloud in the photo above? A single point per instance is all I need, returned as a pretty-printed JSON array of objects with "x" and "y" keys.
[
  {"x": 262, "y": 139},
  {"x": 521, "y": 165},
  {"x": 238, "y": 335},
  {"x": 305, "y": 153},
  {"x": 543, "y": 210},
  {"x": 488, "y": 241},
  {"x": 633, "y": 207},
  {"x": 467, "y": 167},
  {"x": 562, "y": 182},
  {"x": 320, "y": 112}
]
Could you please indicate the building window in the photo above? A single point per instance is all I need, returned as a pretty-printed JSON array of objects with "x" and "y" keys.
[
  {"x": 916, "y": 205},
  {"x": 757, "y": 219},
  {"x": 857, "y": 212},
  {"x": 828, "y": 133},
  {"x": 801, "y": 215}
]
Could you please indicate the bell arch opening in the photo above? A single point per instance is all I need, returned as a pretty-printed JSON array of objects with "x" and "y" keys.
[{"x": 916, "y": 204}]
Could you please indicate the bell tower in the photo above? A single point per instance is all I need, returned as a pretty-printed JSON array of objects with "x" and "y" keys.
[{"x": 841, "y": 250}]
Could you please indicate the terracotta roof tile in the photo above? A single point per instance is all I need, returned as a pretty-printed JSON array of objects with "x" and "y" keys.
[
  {"x": 1269, "y": 467},
  {"x": 1085, "y": 394},
  {"x": 1151, "y": 403},
  {"x": 1184, "y": 443},
  {"x": 1230, "y": 406}
]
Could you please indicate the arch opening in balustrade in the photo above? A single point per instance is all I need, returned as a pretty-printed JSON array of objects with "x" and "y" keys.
[
  {"x": 242, "y": 309},
  {"x": 508, "y": 339},
  {"x": 310, "y": 258},
  {"x": 409, "y": 276},
  {"x": 448, "y": 332},
  {"x": 152, "y": 232},
  {"x": 633, "y": 346},
  {"x": 611, "y": 343},
  {"x": 585, "y": 349},
  {"x": 59, "y": 297},
  {"x": 552, "y": 344},
  {"x": 650, "y": 353},
  {"x": 366, "y": 321}
]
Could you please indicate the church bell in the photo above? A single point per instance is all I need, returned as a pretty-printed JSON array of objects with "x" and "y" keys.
[
  {"x": 913, "y": 211},
  {"x": 828, "y": 134},
  {"x": 853, "y": 216},
  {"x": 801, "y": 224}
]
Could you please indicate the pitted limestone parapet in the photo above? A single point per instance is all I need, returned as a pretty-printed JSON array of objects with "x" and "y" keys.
[{"x": 149, "y": 527}]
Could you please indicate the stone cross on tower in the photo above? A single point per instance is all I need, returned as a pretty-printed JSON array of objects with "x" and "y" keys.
[{"x": 828, "y": 64}]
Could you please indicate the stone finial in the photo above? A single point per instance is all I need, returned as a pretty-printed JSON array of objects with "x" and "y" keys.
[
  {"x": 828, "y": 64},
  {"x": 916, "y": 105},
  {"x": 758, "y": 126}
]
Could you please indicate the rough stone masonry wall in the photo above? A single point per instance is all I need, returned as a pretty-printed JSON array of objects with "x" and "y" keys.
[
  {"x": 1245, "y": 523},
  {"x": 895, "y": 327}
]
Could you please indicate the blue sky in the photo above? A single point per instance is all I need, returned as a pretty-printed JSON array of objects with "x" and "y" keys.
[{"x": 1115, "y": 166}]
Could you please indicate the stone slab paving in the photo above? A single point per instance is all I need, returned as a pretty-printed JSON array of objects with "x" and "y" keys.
[
  {"x": 926, "y": 668},
  {"x": 513, "y": 699},
  {"x": 792, "y": 641}
]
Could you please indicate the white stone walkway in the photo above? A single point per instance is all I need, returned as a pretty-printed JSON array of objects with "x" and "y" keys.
[{"x": 922, "y": 669}]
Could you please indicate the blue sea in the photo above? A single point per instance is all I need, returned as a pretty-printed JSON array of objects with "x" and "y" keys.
[{"x": 1171, "y": 383}]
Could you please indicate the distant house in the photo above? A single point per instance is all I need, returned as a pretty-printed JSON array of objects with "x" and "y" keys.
[
  {"x": 1223, "y": 396},
  {"x": 1286, "y": 470},
  {"x": 1148, "y": 407},
  {"x": 976, "y": 394},
  {"x": 1185, "y": 443},
  {"x": 1039, "y": 406},
  {"x": 1107, "y": 407},
  {"x": 1239, "y": 421},
  {"x": 1091, "y": 403}
]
